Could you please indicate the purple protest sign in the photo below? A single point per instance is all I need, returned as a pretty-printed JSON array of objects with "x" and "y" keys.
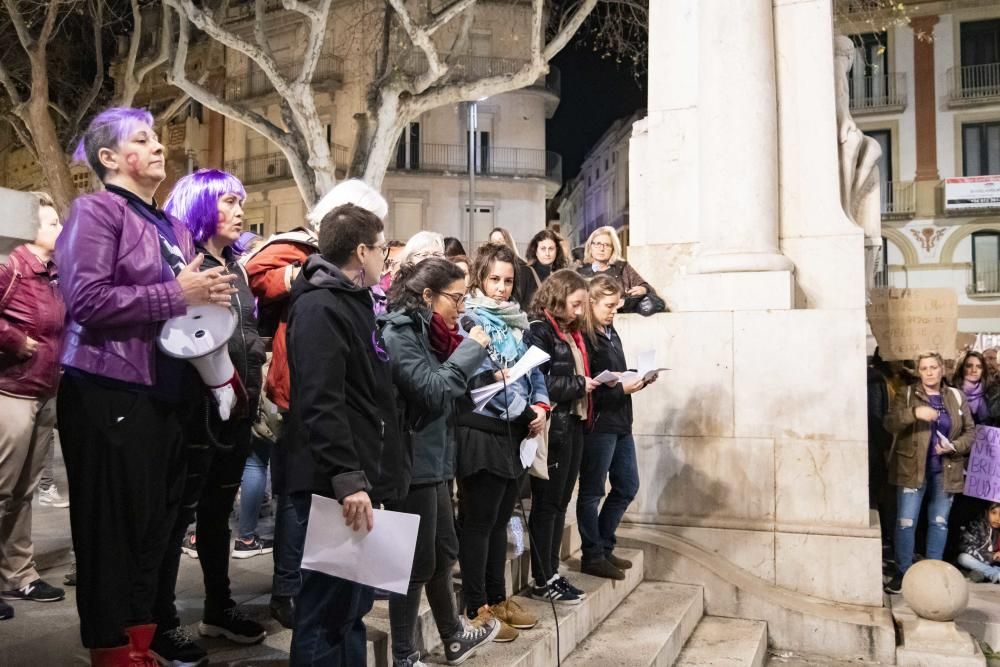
[{"x": 982, "y": 478}]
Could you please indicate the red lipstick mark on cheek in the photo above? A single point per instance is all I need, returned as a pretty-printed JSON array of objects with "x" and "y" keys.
[{"x": 132, "y": 160}]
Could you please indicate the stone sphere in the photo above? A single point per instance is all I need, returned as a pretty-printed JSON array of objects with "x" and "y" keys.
[{"x": 935, "y": 590}]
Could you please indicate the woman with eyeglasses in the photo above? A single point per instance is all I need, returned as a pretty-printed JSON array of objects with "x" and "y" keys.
[
  {"x": 421, "y": 246},
  {"x": 603, "y": 256},
  {"x": 431, "y": 367}
]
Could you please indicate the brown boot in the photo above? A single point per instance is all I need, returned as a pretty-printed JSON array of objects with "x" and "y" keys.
[
  {"x": 111, "y": 657},
  {"x": 139, "y": 639}
]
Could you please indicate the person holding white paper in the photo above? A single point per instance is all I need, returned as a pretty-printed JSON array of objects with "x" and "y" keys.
[
  {"x": 488, "y": 440},
  {"x": 344, "y": 439},
  {"x": 557, "y": 316},
  {"x": 431, "y": 367},
  {"x": 608, "y": 446}
]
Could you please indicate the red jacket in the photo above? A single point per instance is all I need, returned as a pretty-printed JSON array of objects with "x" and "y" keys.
[
  {"x": 34, "y": 307},
  {"x": 270, "y": 271}
]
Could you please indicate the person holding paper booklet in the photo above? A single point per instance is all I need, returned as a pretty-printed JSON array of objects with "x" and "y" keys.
[
  {"x": 488, "y": 439},
  {"x": 933, "y": 428},
  {"x": 431, "y": 367},
  {"x": 608, "y": 446},
  {"x": 557, "y": 316},
  {"x": 343, "y": 439}
]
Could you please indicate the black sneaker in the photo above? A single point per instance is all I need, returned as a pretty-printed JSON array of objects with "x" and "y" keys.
[
  {"x": 176, "y": 648},
  {"x": 895, "y": 585},
  {"x": 549, "y": 592},
  {"x": 255, "y": 547},
  {"x": 562, "y": 583},
  {"x": 603, "y": 568},
  {"x": 464, "y": 645},
  {"x": 188, "y": 547},
  {"x": 6, "y": 611},
  {"x": 36, "y": 591},
  {"x": 232, "y": 624}
]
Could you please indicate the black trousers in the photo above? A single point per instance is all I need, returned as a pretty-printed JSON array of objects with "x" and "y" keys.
[
  {"x": 124, "y": 461},
  {"x": 433, "y": 558},
  {"x": 487, "y": 503},
  {"x": 550, "y": 498},
  {"x": 210, "y": 486}
]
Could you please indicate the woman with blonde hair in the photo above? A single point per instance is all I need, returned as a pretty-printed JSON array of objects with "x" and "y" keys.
[
  {"x": 603, "y": 255},
  {"x": 934, "y": 430}
]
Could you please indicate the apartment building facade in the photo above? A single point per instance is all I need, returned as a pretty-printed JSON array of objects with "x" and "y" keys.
[{"x": 929, "y": 92}]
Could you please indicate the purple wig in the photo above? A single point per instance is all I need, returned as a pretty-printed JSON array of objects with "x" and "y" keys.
[
  {"x": 195, "y": 200},
  {"x": 107, "y": 130}
]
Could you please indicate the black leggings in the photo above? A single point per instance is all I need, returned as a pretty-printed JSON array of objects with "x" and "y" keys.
[
  {"x": 487, "y": 503},
  {"x": 550, "y": 498}
]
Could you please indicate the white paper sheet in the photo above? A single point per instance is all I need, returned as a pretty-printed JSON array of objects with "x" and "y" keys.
[
  {"x": 607, "y": 377},
  {"x": 645, "y": 368},
  {"x": 534, "y": 356},
  {"x": 529, "y": 448},
  {"x": 382, "y": 558}
]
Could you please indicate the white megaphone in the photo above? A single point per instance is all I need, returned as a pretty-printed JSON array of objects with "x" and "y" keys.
[{"x": 200, "y": 336}]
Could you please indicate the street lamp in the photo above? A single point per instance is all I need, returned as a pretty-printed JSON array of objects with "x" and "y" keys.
[{"x": 473, "y": 121}]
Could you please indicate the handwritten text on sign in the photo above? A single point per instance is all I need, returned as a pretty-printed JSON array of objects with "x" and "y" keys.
[
  {"x": 982, "y": 478},
  {"x": 908, "y": 322}
]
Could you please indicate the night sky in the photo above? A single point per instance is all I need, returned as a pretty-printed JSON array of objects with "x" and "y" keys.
[{"x": 595, "y": 93}]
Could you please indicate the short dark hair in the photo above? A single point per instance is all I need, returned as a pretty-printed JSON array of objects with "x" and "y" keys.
[
  {"x": 486, "y": 256},
  {"x": 434, "y": 273},
  {"x": 552, "y": 295},
  {"x": 547, "y": 234},
  {"x": 453, "y": 247},
  {"x": 344, "y": 228}
]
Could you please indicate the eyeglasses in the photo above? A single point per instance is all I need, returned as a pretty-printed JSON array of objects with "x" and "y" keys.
[
  {"x": 455, "y": 297},
  {"x": 601, "y": 244},
  {"x": 424, "y": 254},
  {"x": 384, "y": 249}
]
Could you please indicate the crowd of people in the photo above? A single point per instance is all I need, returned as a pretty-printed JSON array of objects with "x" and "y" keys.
[
  {"x": 921, "y": 426},
  {"x": 355, "y": 357}
]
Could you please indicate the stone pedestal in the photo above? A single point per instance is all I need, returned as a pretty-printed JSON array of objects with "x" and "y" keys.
[
  {"x": 753, "y": 451},
  {"x": 20, "y": 220}
]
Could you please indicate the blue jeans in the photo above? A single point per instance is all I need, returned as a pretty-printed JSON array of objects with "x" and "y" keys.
[
  {"x": 604, "y": 454},
  {"x": 289, "y": 538},
  {"x": 329, "y": 614},
  {"x": 909, "y": 502},
  {"x": 253, "y": 487},
  {"x": 991, "y": 572}
]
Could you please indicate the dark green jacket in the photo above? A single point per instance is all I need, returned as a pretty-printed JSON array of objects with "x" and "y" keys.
[{"x": 429, "y": 389}]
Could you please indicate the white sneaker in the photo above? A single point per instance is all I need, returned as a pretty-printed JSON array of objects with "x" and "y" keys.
[{"x": 50, "y": 496}]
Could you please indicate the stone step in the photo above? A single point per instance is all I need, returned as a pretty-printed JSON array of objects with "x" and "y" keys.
[
  {"x": 726, "y": 642},
  {"x": 649, "y": 628},
  {"x": 981, "y": 618}
]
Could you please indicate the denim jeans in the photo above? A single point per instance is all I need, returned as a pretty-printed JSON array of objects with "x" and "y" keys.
[
  {"x": 253, "y": 487},
  {"x": 329, "y": 613},
  {"x": 991, "y": 572},
  {"x": 604, "y": 454},
  {"x": 289, "y": 538},
  {"x": 909, "y": 502}
]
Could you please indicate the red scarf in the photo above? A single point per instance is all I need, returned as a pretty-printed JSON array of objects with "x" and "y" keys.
[
  {"x": 580, "y": 345},
  {"x": 444, "y": 340}
]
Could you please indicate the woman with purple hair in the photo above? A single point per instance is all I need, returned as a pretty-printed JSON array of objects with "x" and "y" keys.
[
  {"x": 210, "y": 204},
  {"x": 125, "y": 268}
]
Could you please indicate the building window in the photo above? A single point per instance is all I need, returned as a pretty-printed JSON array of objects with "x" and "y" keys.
[
  {"x": 882, "y": 266},
  {"x": 257, "y": 228},
  {"x": 868, "y": 80},
  {"x": 986, "y": 262},
  {"x": 884, "y": 139},
  {"x": 980, "y": 42},
  {"x": 981, "y": 148},
  {"x": 408, "y": 149}
]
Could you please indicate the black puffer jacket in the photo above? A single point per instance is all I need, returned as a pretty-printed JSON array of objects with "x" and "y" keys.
[
  {"x": 246, "y": 348},
  {"x": 612, "y": 406},
  {"x": 563, "y": 384}
]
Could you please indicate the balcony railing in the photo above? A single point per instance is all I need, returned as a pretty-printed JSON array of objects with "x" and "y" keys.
[
  {"x": 984, "y": 278},
  {"x": 254, "y": 83},
  {"x": 245, "y": 10},
  {"x": 974, "y": 84},
  {"x": 478, "y": 67},
  {"x": 879, "y": 93},
  {"x": 495, "y": 161},
  {"x": 274, "y": 166},
  {"x": 899, "y": 199}
]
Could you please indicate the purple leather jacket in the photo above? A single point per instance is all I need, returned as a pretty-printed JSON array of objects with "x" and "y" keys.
[{"x": 111, "y": 276}]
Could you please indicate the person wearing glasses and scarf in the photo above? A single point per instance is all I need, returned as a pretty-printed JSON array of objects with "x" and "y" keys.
[
  {"x": 431, "y": 367},
  {"x": 343, "y": 438}
]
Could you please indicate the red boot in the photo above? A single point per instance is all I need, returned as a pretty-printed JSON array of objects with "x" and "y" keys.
[
  {"x": 140, "y": 637},
  {"x": 111, "y": 657}
]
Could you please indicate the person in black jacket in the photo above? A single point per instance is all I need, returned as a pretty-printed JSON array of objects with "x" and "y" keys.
[
  {"x": 608, "y": 446},
  {"x": 345, "y": 439},
  {"x": 209, "y": 202},
  {"x": 557, "y": 313},
  {"x": 431, "y": 367}
]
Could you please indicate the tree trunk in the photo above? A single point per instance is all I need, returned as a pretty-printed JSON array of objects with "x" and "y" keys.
[
  {"x": 389, "y": 121},
  {"x": 50, "y": 152}
]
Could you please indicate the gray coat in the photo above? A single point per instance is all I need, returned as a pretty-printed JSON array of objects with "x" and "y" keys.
[{"x": 429, "y": 389}]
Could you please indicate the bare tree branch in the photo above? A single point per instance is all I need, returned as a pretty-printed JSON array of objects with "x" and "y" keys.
[
  {"x": 134, "y": 40},
  {"x": 17, "y": 19},
  {"x": 313, "y": 14},
  {"x": 59, "y": 110},
  {"x": 314, "y": 44},
  {"x": 84, "y": 107},
  {"x": 51, "y": 13},
  {"x": 447, "y": 14},
  {"x": 10, "y": 86},
  {"x": 422, "y": 40},
  {"x": 566, "y": 32},
  {"x": 23, "y": 135}
]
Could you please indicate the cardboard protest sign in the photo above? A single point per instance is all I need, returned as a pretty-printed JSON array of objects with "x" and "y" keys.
[
  {"x": 982, "y": 477},
  {"x": 908, "y": 322}
]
